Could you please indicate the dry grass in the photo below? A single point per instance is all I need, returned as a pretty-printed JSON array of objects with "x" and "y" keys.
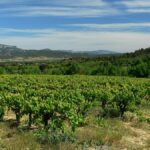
[
  {"x": 109, "y": 132},
  {"x": 62, "y": 146},
  {"x": 148, "y": 142},
  {"x": 11, "y": 139},
  {"x": 113, "y": 134}
]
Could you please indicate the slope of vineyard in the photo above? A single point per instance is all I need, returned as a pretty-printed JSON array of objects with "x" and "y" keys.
[{"x": 82, "y": 111}]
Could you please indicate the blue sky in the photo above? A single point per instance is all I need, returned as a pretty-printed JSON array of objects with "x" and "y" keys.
[{"x": 118, "y": 25}]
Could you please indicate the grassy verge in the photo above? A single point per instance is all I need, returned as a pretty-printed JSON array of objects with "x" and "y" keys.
[{"x": 108, "y": 133}]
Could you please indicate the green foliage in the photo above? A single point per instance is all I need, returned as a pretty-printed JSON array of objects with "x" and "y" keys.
[
  {"x": 54, "y": 137},
  {"x": 72, "y": 69},
  {"x": 2, "y": 108},
  {"x": 140, "y": 70},
  {"x": 132, "y": 64},
  {"x": 62, "y": 103},
  {"x": 124, "y": 98}
]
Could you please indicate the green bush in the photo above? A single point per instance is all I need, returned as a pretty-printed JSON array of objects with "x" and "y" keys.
[{"x": 54, "y": 137}]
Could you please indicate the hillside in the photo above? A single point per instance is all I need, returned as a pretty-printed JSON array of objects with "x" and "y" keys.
[
  {"x": 139, "y": 53},
  {"x": 13, "y": 52},
  {"x": 132, "y": 64}
]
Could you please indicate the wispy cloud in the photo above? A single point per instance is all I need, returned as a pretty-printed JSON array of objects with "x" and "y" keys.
[
  {"x": 57, "y": 11},
  {"x": 67, "y": 11},
  {"x": 136, "y": 6},
  {"x": 27, "y": 32},
  {"x": 85, "y": 3},
  {"x": 80, "y": 3},
  {"x": 124, "y": 27},
  {"x": 83, "y": 24},
  {"x": 78, "y": 40},
  {"x": 136, "y": 3},
  {"x": 115, "y": 26},
  {"x": 68, "y": 8},
  {"x": 139, "y": 10},
  {"x": 72, "y": 8}
]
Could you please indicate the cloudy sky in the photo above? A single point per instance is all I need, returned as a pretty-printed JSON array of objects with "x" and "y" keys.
[{"x": 118, "y": 25}]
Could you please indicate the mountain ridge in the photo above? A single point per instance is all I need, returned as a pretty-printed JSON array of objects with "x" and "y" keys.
[{"x": 12, "y": 52}]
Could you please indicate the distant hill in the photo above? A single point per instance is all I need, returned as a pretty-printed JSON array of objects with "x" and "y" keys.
[
  {"x": 140, "y": 52},
  {"x": 13, "y": 52},
  {"x": 2, "y": 46},
  {"x": 136, "y": 64}
]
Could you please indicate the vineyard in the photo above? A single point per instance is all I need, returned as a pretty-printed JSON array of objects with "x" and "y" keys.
[{"x": 60, "y": 105}]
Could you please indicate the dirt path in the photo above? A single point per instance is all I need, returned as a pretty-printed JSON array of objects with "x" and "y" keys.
[{"x": 141, "y": 138}]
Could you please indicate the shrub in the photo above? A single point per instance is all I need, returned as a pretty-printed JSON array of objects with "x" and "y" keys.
[{"x": 54, "y": 137}]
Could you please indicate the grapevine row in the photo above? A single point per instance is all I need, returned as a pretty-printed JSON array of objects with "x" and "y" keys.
[{"x": 58, "y": 101}]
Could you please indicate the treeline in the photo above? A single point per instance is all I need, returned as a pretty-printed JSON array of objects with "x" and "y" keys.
[{"x": 131, "y": 64}]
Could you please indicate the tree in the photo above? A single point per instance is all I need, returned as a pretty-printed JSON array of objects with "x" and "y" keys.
[
  {"x": 140, "y": 70},
  {"x": 73, "y": 69},
  {"x": 2, "y": 108},
  {"x": 123, "y": 99},
  {"x": 43, "y": 67}
]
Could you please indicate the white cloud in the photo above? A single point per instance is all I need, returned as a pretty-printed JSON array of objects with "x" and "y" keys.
[
  {"x": 95, "y": 3},
  {"x": 136, "y": 3},
  {"x": 58, "y": 11},
  {"x": 139, "y": 10},
  {"x": 67, "y": 11},
  {"x": 80, "y": 27},
  {"x": 80, "y": 40},
  {"x": 93, "y": 38},
  {"x": 115, "y": 26},
  {"x": 72, "y": 8},
  {"x": 31, "y": 31},
  {"x": 136, "y": 6},
  {"x": 81, "y": 3},
  {"x": 69, "y": 8}
]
